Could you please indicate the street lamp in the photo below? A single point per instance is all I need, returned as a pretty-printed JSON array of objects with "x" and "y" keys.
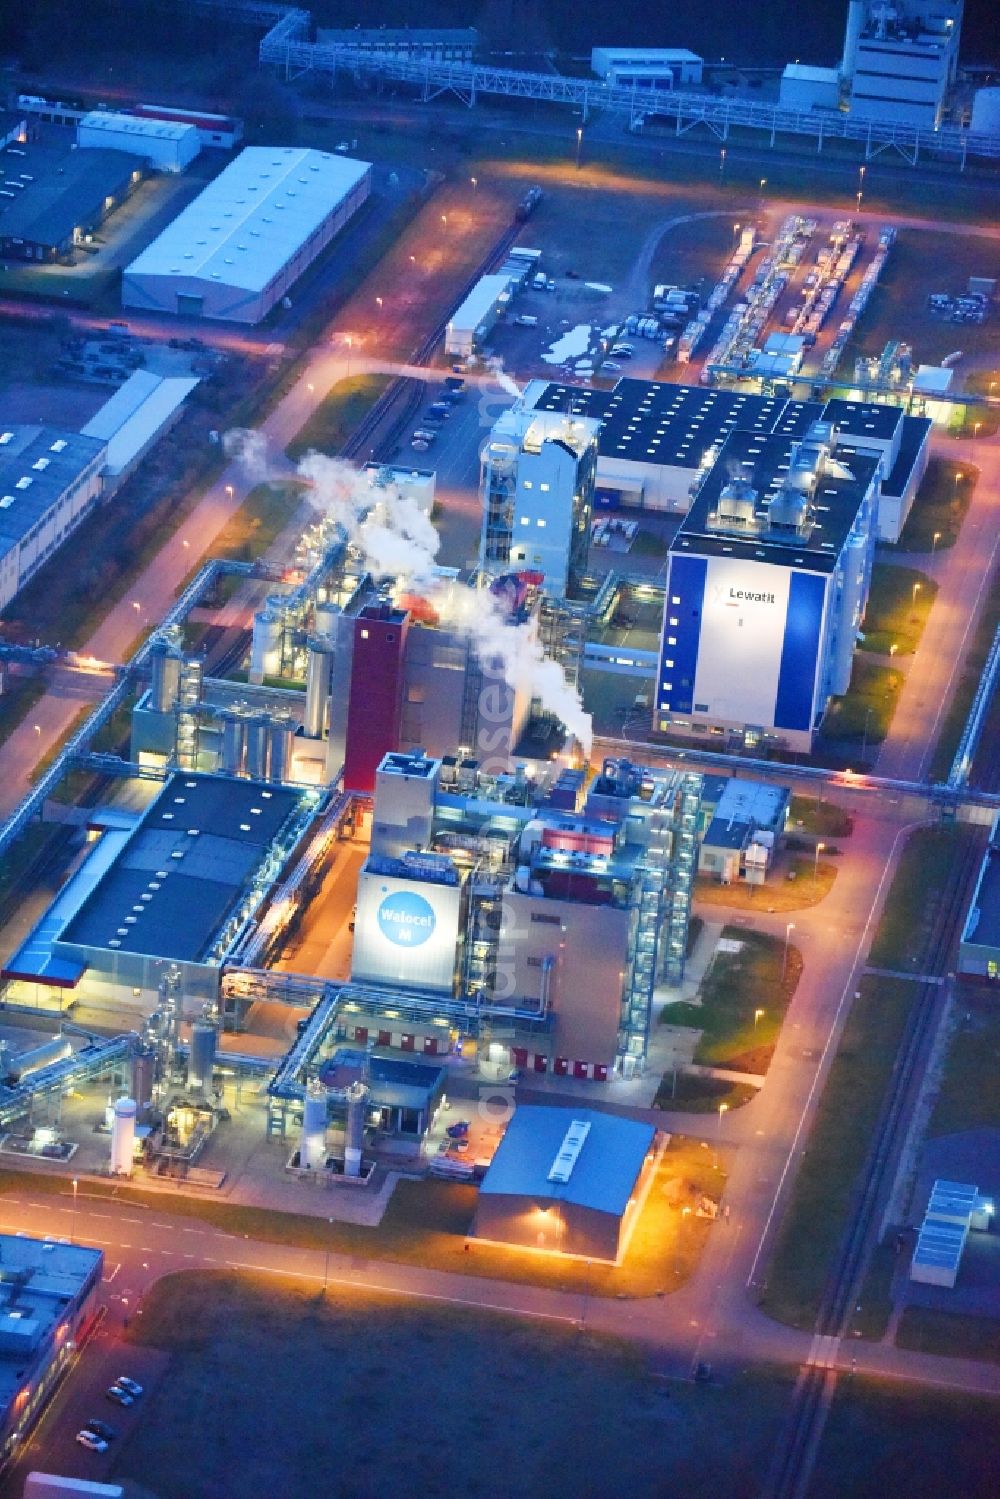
[
  {"x": 893, "y": 648},
  {"x": 916, "y": 590},
  {"x": 789, "y": 929},
  {"x": 936, "y": 538},
  {"x": 378, "y": 303},
  {"x": 474, "y": 182},
  {"x": 756, "y": 1016},
  {"x": 819, "y": 848},
  {"x": 444, "y": 220},
  {"x": 579, "y": 143},
  {"x": 975, "y": 429},
  {"x": 722, "y": 161}
]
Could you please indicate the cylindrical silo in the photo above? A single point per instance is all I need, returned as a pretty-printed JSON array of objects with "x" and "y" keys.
[
  {"x": 201, "y": 1057},
  {"x": 142, "y": 1075},
  {"x": 258, "y": 728},
  {"x": 265, "y": 654},
  {"x": 234, "y": 732},
  {"x": 354, "y": 1133},
  {"x": 123, "y": 1137},
  {"x": 280, "y": 764},
  {"x": 317, "y": 687},
  {"x": 312, "y": 1148},
  {"x": 165, "y": 688}
]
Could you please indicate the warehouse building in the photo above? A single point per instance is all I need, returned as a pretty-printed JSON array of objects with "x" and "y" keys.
[
  {"x": 134, "y": 419},
  {"x": 979, "y": 948},
  {"x": 48, "y": 1303},
  {"x": 767, "y": 583},
  {"x": 51, "y": 200},
  {"x": 657, "y": 441},
  {"x": 646, "y": 67},
  {"x": 49, "y": 480},
  {"x": 170, "y": 888},
  {"x": 242, "y": 244},
  {"x": 566, "y": 1181},
  {"x": 164, "y": 145}
]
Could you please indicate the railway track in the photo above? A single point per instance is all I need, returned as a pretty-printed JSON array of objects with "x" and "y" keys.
[{"x": 791, "y": 1467}]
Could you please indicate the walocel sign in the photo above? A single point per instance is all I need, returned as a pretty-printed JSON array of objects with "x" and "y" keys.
[{"x": 406, "y": 919}]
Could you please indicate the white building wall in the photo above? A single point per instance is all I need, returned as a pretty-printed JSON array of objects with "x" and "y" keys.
[{"x": 168, "y": 147}]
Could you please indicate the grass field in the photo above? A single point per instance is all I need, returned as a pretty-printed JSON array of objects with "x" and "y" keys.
[
  {"x": 905, "y": 930},
  {"x": 887, "y": 1438},
  {"x": 743, "y": 999},
  {"x": 939, "y": 508},
  {"x": 795, "y": 883},
  {"x": 898, "y": 605},
  {"x": 968, "y": 1097},
  {"x": 961, "y": 700},
  {"x": 265, "y": 512},
  {"x": 427, "y": 1224},
  {"x": 865, "y": 711},
  {"x": 838, "y": 1144},
  {"x": 814, "y": 815},
  {"x": 949, "y": 1334},
  {"x": 337, "y": 415},
  {"x": 352, "y": 1395}
]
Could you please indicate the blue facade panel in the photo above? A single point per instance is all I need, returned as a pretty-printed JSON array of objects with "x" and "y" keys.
[
  {"x": 686, "y": 584},
  {"x": 799, "y": 651}
]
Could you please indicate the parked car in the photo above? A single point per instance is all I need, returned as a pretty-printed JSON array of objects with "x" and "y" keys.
[
  {"x": 119, "y": 1395},
  {"x": 100, "y": 1429},
  {"x": 91, "y": 1442},
  {"x": 135, "y": 1390},
  {"x": 610, "y": 364}
]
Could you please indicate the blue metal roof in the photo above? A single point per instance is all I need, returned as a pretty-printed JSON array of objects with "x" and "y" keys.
[{"x": 605, "y": 1171}]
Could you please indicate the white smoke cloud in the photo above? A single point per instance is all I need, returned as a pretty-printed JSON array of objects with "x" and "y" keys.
[
  {"x": 397, "y": 540},
  {"x": 249, "y": 449}
]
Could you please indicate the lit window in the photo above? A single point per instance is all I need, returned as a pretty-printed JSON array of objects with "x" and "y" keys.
[
  {"x": 541, "y": 523},
  {"x": 529, "y": 484},
  {"x": 673, "y": 621},
  {"x": 675, "y": 599},
  {"x": 668, "y": 663},
  {"x": 364, "y": 634},
  {"x": 671, "y": 639},
  {"x": 525, "y": 521}
]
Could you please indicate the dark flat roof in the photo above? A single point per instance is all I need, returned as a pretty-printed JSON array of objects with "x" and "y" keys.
[
  {"x": 916, "y": 431},
  {"x": 861, "y": 419},
  {"x": 674, "y": 425},
  {"x": 58, "y": 191},
  {"x": 192, "y": 855},
  {"x": 606, "y": 1168},
  {"x": 763, "y": 462}
]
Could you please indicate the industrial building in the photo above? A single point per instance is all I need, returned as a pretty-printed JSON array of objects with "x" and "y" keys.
[
  {"x": 48, "y": 1305},
  {"x": 979, "y": 948},
  {"x": 656, "y": 441},
  {"x": 767, "y": 582},
  {"x": 169, "y": 888},
  {"x": 899, "y": 63},
  {"x": 242, "y": 244},
  {"x": 646, "y": 67},
  {"x": 556, "y": 913},
  {"x": 49, "y": 480},
  {"x": 51, "y": 199},
  {"x": 221, "y": 131},
  {"x": 742, "y": 823},
  {"x": 537, "y": 486},
  {"x": 953, "y": 1210},
  {"x": 567, "y": 1182},
  {"x": 134, "y": 419},
  {"x": 163, "y": 145}
]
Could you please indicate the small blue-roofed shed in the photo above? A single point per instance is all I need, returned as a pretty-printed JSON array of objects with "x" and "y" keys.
[{"x": 568, "y": 1181}]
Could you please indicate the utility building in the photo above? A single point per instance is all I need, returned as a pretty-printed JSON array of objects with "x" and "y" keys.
[
  {"x": 567, "y": 1182},
  {"x": 243, "y": 243},
  {"x": 49, "y": 480},
  {"x": 901, "y": 60},
  {"x": 164, "y": 145},
  {"x": 767, "y": 582},
  {"x": 538, "y": 476},
  {"x": 51, "y": 200}
]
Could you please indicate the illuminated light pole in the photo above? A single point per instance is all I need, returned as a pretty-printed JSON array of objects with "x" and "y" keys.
[
  {"x": 757, "y": 1015},
  {"x": 579, "y": 143},
  {"x": 789, "y": 929},
  {"x": 893, "y": 648},
  {"x": 722, "y": 162},
  {"x": 861, "y": 186},
  {"x": 936, "y": 538},
  {"x": 916, "y": 590},
  {"x": 475, "y": 183},
  {"x": 819, "y": 848}
]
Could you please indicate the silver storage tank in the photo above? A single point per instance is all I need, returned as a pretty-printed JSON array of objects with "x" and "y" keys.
[
  {"x": 317, "y": 687},
  {"x": 354, "y": 1134},
  {"x": 258, "y": 728},
  {"x": 312, "y": 1146},
  {"x": 280, "y": 764},
  {"x": 201, "y": 1057},
  {"x": 265, "y": 653},
  {"x": 165, "y": 687},
  {"x": 234, "y": 739}
]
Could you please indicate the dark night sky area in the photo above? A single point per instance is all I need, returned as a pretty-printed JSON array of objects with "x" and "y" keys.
[{"x": 776, "y": 31}]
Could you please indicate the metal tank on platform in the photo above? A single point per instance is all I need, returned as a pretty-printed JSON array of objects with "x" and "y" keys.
[{"x": 312, "y": 1146}]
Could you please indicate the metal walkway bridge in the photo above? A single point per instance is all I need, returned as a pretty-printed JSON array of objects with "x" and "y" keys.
[{"x": 287, "y": 46}]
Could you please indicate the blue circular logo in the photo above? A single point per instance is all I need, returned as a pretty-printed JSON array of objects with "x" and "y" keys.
[{"x": 406, "y": 919}]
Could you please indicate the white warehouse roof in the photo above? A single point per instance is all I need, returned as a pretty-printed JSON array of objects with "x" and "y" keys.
[
  {"x": 130, "y": 421},
  {"x": 122, "y": 124},
  {"x": 480, "y": 302},
  {"x": 250, "y": 221}
]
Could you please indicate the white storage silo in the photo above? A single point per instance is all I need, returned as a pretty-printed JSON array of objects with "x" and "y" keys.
[
  {"x": 166, "y": 662},
  {"x": 265, "y": 654},
  {"x": 234, "y": 738},
  {"x": 312, "y": 1147},
  {"x": 354, "y": 1134},
  {"x": 201, "y": 1057},
  {"x": 123, "y": 1137},
  {"x": 317, "y": 686},
  {"x": 280, "y": 762}
]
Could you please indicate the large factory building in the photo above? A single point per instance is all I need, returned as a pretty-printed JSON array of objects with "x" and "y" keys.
[
  {"x": 49, "y": 480},
  {"x": 657, "y": 441},
  {"x": 554, "y": 912},
  {"x": 243, "y": 243},
  {"x": 766, "y": 587}
]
